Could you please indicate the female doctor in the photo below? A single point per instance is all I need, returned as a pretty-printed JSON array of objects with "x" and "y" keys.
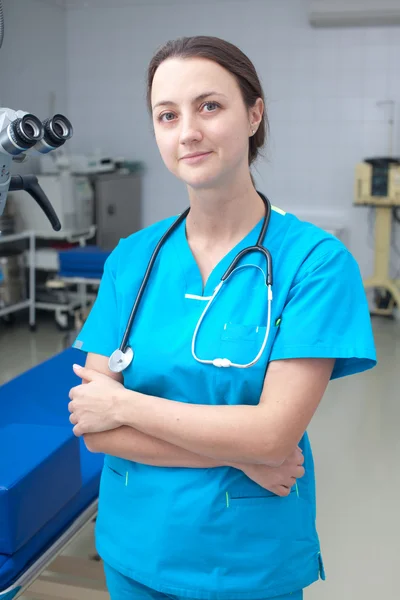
[{"x": 204, "y": 493}]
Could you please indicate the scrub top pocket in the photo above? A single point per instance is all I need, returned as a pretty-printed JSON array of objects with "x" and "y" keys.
[
  {"x": 259, "y": 500},
  {"x": 271, "y": 516},
  {"x": 241, "y": 343}
]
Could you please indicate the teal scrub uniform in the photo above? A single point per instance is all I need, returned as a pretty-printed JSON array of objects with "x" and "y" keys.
[
  {"x": 121, "y": 587},
  {"x": 214, "y": 534}
]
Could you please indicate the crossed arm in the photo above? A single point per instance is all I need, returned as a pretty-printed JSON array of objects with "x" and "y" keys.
[
  {"x": 127, "y": 442},
  {"x": 162, "y": 432}
]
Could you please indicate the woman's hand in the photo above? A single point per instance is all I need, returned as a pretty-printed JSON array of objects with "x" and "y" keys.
[
  {"x": 278, "y": 480},
  {"x": 94, "y": 405}
]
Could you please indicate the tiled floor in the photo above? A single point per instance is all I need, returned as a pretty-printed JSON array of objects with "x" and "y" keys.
[{"x": 356, "y": 444}]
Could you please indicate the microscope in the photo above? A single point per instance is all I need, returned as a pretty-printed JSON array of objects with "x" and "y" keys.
[{"x": 21, "y": 133}]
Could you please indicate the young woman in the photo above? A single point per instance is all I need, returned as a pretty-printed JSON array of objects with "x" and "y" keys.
[{"x": 204, "y": 493}]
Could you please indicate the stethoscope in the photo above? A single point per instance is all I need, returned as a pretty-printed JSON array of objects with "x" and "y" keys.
[{"x": 121, "y": 358}]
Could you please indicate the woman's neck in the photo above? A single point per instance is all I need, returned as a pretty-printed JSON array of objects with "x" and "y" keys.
[{"x": 223, "y": 217}]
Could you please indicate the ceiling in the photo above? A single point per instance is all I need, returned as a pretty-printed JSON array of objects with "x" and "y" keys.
[{"x": 71, "y": 4}]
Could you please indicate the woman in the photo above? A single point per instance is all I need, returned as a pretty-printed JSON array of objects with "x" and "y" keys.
[{"x": 233, "y": 515}]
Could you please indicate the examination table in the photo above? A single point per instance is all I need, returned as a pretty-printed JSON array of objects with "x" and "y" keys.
[{"x": 49, "y": 485}]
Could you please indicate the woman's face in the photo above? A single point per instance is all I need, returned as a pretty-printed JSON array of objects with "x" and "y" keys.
[{"x": 198, "y": 110}]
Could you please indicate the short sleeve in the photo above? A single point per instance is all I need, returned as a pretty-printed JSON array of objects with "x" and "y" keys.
[
  {"x": 99, "y": 333},
  {"x": 326, "y": 315}
]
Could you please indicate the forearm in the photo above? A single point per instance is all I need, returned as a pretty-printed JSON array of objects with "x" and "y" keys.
[
  {"x": 231, "y": 434},
  {"x": 264, "y": 434},
  {"x": 126, "y": 442}
]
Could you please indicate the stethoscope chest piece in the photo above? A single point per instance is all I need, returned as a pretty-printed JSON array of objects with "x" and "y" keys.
[{"x": 119, "y": 361}]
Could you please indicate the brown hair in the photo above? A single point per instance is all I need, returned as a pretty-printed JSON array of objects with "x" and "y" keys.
[{"x": 232, "y": 59}]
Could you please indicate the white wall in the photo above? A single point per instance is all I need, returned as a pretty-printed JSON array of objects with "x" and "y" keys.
[
  {"x": 33, "y": 60},
  {"x": 322, "y": 87}
]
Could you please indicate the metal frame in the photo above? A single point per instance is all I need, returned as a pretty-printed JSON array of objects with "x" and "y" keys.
[
  {"x": 82, "y": 283},
  {"x": 66, "y": 577},
  {"x": 83, "y": 299},
  {"x": 59, "y": 309},
  {"x": 15, "y": 237}
]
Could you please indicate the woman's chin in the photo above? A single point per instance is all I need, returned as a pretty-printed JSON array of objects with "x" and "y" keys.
[{"x": 199, "y": 181}]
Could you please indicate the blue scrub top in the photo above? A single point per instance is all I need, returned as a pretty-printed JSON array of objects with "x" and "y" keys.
[{"x": 214, "y": 533}]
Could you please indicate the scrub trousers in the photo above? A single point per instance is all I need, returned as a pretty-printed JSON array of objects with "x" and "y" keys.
[{"x": 121, "y": 587}]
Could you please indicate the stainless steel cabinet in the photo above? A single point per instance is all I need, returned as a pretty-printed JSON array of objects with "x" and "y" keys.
[{"x": 118, "y": 207}]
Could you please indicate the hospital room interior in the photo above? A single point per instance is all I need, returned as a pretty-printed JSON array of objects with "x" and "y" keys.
[{"x": 331, "y": 76}]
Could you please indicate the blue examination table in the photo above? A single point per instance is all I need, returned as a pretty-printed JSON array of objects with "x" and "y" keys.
[
  {"x": 43, "y": 468},
  {"x": 82, "y": 261}
]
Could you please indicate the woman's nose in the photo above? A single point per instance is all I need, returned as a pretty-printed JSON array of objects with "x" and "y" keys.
[{"x": 190, "y": 131}]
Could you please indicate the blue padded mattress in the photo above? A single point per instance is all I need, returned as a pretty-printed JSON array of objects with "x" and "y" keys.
[
  {"x": 86, "y": 261},
  {"x": 40, "y": 396}
]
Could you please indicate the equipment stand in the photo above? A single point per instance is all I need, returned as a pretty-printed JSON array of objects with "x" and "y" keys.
[{"x": 380, "y": 278}]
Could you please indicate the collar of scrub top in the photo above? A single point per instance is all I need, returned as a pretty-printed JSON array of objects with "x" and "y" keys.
[{"x": 121, "y": 358}]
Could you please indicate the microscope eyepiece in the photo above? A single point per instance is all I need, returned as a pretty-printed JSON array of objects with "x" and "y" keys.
[
  {"x": 26, "y": 131},
  {"x": 57, "y": 131},
  {"x": 21, "y": 134},
  {"x": 60, "y": 127}
]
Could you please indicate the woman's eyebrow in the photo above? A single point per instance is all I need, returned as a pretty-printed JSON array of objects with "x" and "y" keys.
[{"x": 197, "y": 99}]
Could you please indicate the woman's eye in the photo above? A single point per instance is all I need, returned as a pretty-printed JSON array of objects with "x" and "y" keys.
[
  {"x": 166, "y": 117},
  {"x": 169, "y": 116},
  {"x": 211, "y": 105}
]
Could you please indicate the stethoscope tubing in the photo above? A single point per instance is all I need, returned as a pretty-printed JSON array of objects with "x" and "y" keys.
[{"x": 124, "y": 350}]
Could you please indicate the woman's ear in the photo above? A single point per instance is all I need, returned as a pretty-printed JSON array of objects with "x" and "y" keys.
[{"x": 256, "y": 114}]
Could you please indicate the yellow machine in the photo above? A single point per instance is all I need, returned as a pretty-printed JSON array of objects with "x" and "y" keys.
[{"x": 377, "y": 183}]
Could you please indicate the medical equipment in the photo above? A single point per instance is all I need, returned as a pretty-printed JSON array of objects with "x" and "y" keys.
[
  {"x": 84, "y": 164},
  {"x": 225, "y": 362},
  {"x": 72, "y": 198},
  {"x": 21, "y": 132},
  {"x": 377, "y": 183},
  {"x": 81, "y": 197},
  {"x": 78, "y": 164},
  {"x": 50, "y": 517},
  {"x": 121, "y": 358},
  {"x": 80, "y": 267}
]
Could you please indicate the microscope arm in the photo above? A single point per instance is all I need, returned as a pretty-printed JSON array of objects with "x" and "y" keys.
[{"x": 30, "y": 184}]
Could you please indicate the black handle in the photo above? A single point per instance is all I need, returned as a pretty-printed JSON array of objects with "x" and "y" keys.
[{"x": 30, "y": 184}]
